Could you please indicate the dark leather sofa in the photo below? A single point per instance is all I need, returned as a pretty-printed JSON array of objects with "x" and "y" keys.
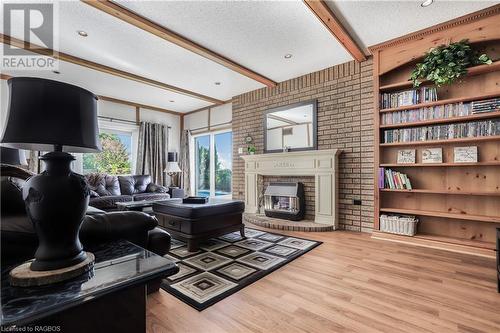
[
  {"x": 107, "y": 190},
  {"x": 19, "y": 241}
]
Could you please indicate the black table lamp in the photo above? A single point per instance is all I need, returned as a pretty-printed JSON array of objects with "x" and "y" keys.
[{"x": 47, "y": 115}]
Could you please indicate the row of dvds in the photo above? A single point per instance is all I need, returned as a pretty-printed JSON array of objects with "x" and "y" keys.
[
  {"x": 408, "y": 97},
  {"x": 427, "y": 113},
  {"x": 487, "y": 105},
  {"x": 444, "y": 132}
]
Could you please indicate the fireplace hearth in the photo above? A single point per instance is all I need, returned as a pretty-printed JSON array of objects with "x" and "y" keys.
[{"x": 285, "y": 201}]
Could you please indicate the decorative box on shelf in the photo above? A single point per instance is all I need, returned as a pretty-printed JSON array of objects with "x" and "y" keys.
[{"x": 398, "y": 224}]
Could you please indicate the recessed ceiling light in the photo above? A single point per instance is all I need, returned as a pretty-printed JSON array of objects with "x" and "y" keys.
[
  {"x": 217, "y": 83},
  {"x": 56, "y": 72},
  {"x": 288, "y": 56},
  {"x": 426, "y": 3},
  {"x": 82, "y": 33},
  {"x": 171, "y": 101}
]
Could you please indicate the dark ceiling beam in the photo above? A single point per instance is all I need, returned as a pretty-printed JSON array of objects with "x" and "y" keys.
[
  {"x": 103, "y": 68},
  {"x": 143, "y": 23},
  {"x": 330, "y": 21}
]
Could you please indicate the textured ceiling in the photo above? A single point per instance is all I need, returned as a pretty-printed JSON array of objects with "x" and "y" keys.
[
  {"x": 373, "y": 22},
  {"x": 256, "y": 34}
]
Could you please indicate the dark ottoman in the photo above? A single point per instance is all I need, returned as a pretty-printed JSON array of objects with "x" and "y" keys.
[{"x": 195, "y": 223}]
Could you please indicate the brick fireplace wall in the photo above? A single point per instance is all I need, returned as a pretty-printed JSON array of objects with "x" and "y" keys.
[{"x": 345, "y": 121}]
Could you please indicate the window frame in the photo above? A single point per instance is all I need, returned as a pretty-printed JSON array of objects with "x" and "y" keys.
[
  {"x": 107, "y": 126},
  {"x": 192, "y": 162}
]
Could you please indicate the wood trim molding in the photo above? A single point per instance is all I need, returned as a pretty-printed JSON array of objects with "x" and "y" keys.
[
  {"x": 137, "y": 105},
  {"x": 493, "y": 10},
  {"x": 103, "y": 68},
  {"x": 4, "y": 76},
  {"x": 143, "y": 23},
  {"x": 137, "y": 114},
  {"x": 327, "y": 17}
]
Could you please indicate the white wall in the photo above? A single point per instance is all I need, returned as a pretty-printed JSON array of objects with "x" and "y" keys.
[
  {"x": 221, "y": 114},
  {"x": 115, "y": 110}
]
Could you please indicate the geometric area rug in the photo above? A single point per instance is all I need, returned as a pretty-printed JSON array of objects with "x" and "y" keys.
[{"x": 229, "y": 263}]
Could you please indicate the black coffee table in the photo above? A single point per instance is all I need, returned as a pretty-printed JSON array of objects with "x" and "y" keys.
[
  {"x": 112, "y": 298},
  {"x": 195, "y": 223}
]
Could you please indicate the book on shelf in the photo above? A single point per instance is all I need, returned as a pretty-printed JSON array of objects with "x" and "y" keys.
[
  {"x": 427, "y": 113},
  {"x": 487, "y": 105},
  {"x": 443, "y": 132},
  {"x": 393, "y": 180},
  {"x": 408, "y": 97},
  {"x": 452, "y": 110}
]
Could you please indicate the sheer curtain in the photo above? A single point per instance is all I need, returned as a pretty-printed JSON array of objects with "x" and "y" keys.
[
  {"x": 152, "y": 151},
  {"x": 33, "y": 161},
  {"x": 185, "y": 180}
]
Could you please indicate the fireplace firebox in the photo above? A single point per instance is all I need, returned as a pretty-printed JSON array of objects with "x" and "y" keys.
[{"x": 285, "y": 201}]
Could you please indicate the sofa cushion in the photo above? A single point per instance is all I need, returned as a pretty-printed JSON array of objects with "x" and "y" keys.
[
  {"x": 134, "y": 184},
  {"x": 103, "y": 184},
  {"x": 155, "y": 188},
  {"x": 132, "y": 226},
  {"x": 215, "y": 206},
  {"x": 12, "y": 196},
  {"x": 151, "y": 196},
  {"x": 92, "y": 210},
  {"x": 109, "y": 202}
]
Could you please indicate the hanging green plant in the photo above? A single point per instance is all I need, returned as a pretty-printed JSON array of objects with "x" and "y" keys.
[{"x": 446, "y": 63}]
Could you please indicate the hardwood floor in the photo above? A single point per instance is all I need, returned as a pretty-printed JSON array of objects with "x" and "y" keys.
[{"x": 351, "y": 283}]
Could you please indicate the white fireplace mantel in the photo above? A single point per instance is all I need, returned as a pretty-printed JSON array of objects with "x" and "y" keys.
[{"x": 322, "y": 164}]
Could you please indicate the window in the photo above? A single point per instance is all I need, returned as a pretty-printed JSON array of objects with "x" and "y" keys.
[
  {"x": 116, "y": 157},
  {"x": 213, "y": 155}
]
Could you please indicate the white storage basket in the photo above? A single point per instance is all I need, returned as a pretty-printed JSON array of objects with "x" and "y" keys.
[{"x": 401, "y": 225}]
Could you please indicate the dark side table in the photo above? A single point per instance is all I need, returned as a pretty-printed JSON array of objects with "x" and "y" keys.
[{"x": 111, "y": 298}]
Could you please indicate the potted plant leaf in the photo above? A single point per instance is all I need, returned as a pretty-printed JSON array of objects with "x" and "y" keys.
[
  {"x": 446, "y": 63},
  {"x": 251, "y": 149}
]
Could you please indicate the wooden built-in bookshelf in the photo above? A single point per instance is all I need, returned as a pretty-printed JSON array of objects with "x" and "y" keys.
[{"x": 457, "y": 204}]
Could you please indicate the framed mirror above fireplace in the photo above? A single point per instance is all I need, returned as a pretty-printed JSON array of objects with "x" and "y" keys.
[{"x": 291, "y": 128}]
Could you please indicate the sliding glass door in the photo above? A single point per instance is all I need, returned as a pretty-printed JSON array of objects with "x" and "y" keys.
[
  {"x": 213, "y": 164},
  {"x": 202, "y": 165}
]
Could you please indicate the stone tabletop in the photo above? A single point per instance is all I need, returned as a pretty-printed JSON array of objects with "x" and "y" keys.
[{"x": 118, "y": 265}]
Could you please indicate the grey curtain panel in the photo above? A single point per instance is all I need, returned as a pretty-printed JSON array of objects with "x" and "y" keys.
[
  {"x": 152, "y": 152},
  {"x": 185, "y": 180}
]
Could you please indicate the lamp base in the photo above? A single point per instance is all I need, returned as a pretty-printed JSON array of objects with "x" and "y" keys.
[
  {"x": 24, "y": 276},
  {"x": 56, "y": 201}
]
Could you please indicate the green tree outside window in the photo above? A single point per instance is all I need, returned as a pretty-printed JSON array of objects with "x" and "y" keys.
[{"x": 113, "y": 159}]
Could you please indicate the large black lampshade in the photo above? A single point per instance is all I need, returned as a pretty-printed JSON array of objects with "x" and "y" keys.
[{"x": 45, "y": 113}]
